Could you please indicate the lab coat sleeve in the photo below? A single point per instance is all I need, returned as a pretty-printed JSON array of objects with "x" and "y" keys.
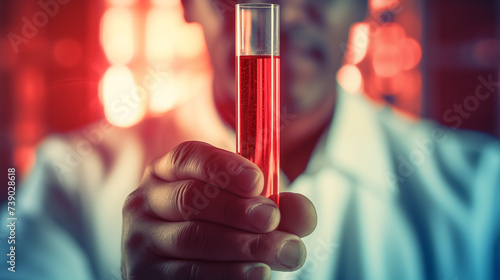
[
  {"x": 50, "y": 232},
  {"x": 488, "y": 179},
  {"x": 483, "y": 202}
]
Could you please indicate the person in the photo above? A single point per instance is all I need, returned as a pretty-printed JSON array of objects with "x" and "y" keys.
[{"x": 368, "y": 194}]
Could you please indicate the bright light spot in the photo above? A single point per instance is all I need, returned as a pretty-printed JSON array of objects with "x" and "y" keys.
[
  {"x": 124, "y": 103},
  {"x": 192, "y": 83},
  {"x": 377, "y": 5},
  {"x": 117, "y": 35},
  {"x": 160, "y": 39},
  {"x": 358, "y": 42},
  {"x": 387, "y": 60},
  {"x": 412, "y": 53},
  {"x": 30, "y": 85},
  {"x": 349, "y": 77},
  {"x": 164, "y": 97},
  {"x": 193, "y": 43},
  {"x": 166, "y": 3},
  {"x": 67, "y": 52},
  {"x": 123, "y": 3},
  {"x": 178, "y": 89}
]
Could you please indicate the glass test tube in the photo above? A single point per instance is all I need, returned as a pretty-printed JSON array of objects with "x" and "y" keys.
[{"x": 258, "y": 90}]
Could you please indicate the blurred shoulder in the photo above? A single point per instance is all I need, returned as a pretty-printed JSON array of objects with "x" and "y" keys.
[
  {"x": 406, "y": 128},
  {"x": 429, "y": 148},
  {"x": 100, "y": 139},
  {"x": 90, "y": 154}
]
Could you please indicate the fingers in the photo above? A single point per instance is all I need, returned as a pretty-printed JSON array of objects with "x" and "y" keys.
[
  {"x": 209, "y": 242},
  {"x": 298, "y": 215},
  {"x": 179, "y": 269},
  {"x": 201, "y": 161},
  {"x": 195, "y": 200},
  {"x": 200, "y": 215}
]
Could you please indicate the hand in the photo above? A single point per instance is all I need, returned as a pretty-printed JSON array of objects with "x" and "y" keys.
[{"x": 197, "y": 214}]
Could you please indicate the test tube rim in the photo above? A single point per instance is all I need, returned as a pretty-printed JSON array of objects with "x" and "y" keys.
[{"x": 256, "y": 5}]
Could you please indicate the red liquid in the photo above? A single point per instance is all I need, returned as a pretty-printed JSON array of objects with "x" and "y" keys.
[{"x": 257, "y": 127}]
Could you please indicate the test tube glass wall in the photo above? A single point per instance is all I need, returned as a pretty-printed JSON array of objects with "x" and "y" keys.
[{"x": 257, "y": 84}]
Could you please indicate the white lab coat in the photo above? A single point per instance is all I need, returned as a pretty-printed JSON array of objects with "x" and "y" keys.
[{"x": 396, "y": 199}]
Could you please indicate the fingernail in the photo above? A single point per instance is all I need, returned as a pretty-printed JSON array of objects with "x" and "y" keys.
[
  {"x": 248, "y": 179},
  {"x": 259, "y": 273},
  {"x": 264, "y": 217},
  {"x": 290, "y": 253}
]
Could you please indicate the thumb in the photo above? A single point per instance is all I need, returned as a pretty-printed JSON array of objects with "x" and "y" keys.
[{"x": 298, "y": 215}]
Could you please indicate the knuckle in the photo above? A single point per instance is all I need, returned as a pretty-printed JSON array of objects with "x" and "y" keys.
[
  {"x": 226, "y": 273},
  {"x": 143, "y": 268},
  {"x": 133, "y": 237},
  {"x": 194, "y": 271},
  {"x": 134, "y": 202},
  {"x": 182, "y": 196},
  {"x": 133, "y": 241},
  {"x": 185, "y": 195},
  {"x": 134, "y": 252},
  {"x": 255, "y": 246},
  {"x": 182, "y": 154},
  {"x": 184, "y": 270},
  {"x": 228, "y": 211},
  {"x": 194, "y": 238},
  {"x": 211, "y": 165}
]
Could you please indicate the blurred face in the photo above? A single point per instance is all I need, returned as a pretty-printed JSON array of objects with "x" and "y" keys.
[{"x": 312, "y": 33}]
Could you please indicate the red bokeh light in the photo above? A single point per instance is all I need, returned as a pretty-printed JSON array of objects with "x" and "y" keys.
[
  {"x": 411, "y": 52},
  {"x": 67, "y": 52},
  {"x": 387, "y": 60},
  {"x": 389, "y": 34}
]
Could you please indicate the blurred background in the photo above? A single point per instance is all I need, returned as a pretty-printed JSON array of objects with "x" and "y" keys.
[{"x": 66, "y": 63}]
